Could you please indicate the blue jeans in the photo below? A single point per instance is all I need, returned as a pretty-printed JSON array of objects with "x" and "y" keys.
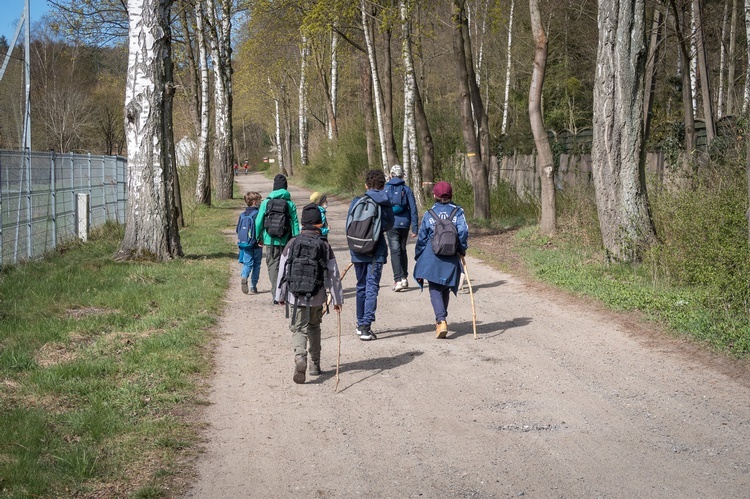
[
  {"x": 440, "y": 296},
  {"x": 250, "y": 260},
  {"x": 368, "y": 285},
  {"x": 397, "y": 239}
]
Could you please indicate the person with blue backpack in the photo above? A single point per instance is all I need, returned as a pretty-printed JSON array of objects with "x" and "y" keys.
[
  {"x": 251, "y": 251},
  {"x": 275, "y": 224},
  {"x": 442, "y": 240},
  {"x": 367, "y": 220},
  {"x": 404, "y": 217}
]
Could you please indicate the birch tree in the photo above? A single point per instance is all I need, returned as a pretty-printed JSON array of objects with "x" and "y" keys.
[
  {"x": 509, "y": 59},
  {"x": 203, "y": 182},
  {"x": 688, "y": 115},
  {"x": 303, "y": 133},
  {"x": 219, "y": 21},
  {"x": 731, "y": 65},
  {"x": 410, "y": 156},
  {"x": 151, "y": 229},
  {"x": 333, "y": 130},
  {"x": 700, "y": 51},
  {"x": 544, "y": 160},
  {"x": 617, "y": 152},
  {"x": 746, "y": 95},
  {"x": 375, "y": 76}
]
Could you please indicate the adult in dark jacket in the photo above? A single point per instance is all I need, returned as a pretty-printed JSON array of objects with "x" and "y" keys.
[
  {"x": 273, "y": 246},
  {"x": 443, "y": 273},
  {"x": 404, "y": 217},
  {"x": 369, "y": 268}
]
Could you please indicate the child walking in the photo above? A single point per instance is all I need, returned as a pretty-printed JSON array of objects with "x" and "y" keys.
[
  {"x": 322, "y": 201},
  {"x": 441, "y": 271},
  {"x": 251, "y": 251},
  {"x": 307, "y": 269}
]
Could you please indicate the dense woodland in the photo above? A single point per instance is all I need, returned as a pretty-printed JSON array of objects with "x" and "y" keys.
[{"x": 329, "y": 88}]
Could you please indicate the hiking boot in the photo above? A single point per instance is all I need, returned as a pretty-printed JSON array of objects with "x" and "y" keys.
[
  {"x": 367, "y": 333},
  {"x": 314, "y": 369},
  {"x": 441, "y": 329},
  {"x": 243, "y": 283},
  {"x": 254, "y": 290},
  {"x": 399, "y": 285},
  {"x": 300, "y": 366}
]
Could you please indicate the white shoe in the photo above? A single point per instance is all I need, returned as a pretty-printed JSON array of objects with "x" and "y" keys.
[
  {"x": 399, "y": 285},
  {"x": 404, "y": 283}
]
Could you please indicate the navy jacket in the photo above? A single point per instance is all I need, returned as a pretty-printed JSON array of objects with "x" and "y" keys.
[
  {"x": 381, "y": 252},
  {"x": 409, "y": 217},
  {"x": 445, "y": 270}
]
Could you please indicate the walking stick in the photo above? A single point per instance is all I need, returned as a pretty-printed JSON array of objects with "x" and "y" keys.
[
  {"x": 338, "y": 356},
  {"x": 471, "y": 294},
  {"x": 329, "y": 298}
]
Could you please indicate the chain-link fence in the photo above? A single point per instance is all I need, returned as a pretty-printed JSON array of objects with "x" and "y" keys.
[{"x": 38, "y": 208}]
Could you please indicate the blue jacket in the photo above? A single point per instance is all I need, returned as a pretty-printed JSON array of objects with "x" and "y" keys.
[
  {"x": 408, "y": 217},
  {"x": 381, "y": 252},
  {"x": 445, "y": 270}
]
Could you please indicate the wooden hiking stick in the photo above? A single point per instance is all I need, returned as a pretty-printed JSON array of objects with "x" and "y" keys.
[
  {"x": 471, "y": 294},
  {"x": 338, "y": 356},
  {"x": 328, "y": 300}
]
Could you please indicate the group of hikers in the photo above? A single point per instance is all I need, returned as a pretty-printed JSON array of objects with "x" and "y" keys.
[{"x": 302, "y": 266}]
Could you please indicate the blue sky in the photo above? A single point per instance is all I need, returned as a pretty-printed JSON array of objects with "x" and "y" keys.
[{"x": 11, "y": 11}]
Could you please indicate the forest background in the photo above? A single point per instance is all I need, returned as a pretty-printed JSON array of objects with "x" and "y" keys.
[{"x": 323, "y": 90}]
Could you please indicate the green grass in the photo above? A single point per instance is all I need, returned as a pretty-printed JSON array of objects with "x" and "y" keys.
[
  {"x": 689, "y": 311},
  {"x": 95, "y": 357}
]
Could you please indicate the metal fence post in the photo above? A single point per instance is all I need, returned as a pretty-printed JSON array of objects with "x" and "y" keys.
[
  {"x": 1, "y": 210},
  {"x": 91, "y": 215},
  {"x": 53, "y": 196},
  {"x": 29, "y": 214}
]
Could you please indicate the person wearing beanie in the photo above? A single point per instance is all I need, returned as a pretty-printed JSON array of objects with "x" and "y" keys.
[
  {"x": 404, "y": 218},
  {"x": 368, "y": 267},
  {"x": 321, "y": 200},
  {"x": 307, "y": 311},
  {"x": 442, "y": 272},
  {"x": 275, "y": 224}
]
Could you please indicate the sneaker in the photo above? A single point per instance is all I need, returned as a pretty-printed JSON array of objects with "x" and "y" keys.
[
  {"x": 300, "y": 366},
  {"x": 399, "y": 285},
  {"x": 441, "y": 329},
  {"x": 314, "y": 369},
  {"x": 254, "y": 290},
  {"x": 243, "y": 282},
  {"x": 404, "y": 283},
  {"x": 367, "y": 333}
]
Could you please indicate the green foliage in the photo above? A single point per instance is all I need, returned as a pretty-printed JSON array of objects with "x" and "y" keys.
[
  {"x": 340, "y": 169},
  {"x": 95, "y": 354}
]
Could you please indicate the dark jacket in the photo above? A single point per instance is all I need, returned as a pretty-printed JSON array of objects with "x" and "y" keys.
[
  {"x": 261, "y": 232},
  {"x": 381, "y": 252},
  {"x": 445, "y": 270},
  {"x": 408, "y": 217}
]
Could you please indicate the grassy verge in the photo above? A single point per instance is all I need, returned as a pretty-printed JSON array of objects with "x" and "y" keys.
[
  {"x": 688, "y": 311},
  {"x": 98, "y": 359}
]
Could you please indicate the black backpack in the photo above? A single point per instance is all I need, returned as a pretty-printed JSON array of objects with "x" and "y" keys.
[
  {"x": 363, "y": 226},
  {"x": 306, "y": 268},
  {"x": 445, "y": 234},
  {"x": 276, "y": 221}
]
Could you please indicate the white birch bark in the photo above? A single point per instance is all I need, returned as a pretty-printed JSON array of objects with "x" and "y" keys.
[
  {"x": 410, "y": 156},
  {"x": 221, "y": 50},
  {"x": 304, "y": 51},
  {"x": 722, "y": 61},
  {"x": 376, "y": 92},
  {"x": 277, "y": 121},
  {"x": 334, "y": 80},
  {"x": 693, "y": 60},
  {"x": 731, "y": 65},
  {"x": 151, "y": 229},
  {"x": 746, "y": 97},
  {"x": 504, "y": 126},
  {"x": 203, "y": 184}
]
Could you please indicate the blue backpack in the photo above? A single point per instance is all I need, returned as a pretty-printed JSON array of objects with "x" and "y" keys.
[
  {"x": 246, "y": 229},
  {"x": 398, "y": 198}
]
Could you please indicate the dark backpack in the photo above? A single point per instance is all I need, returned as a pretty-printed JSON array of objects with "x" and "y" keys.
[
  {"x": 306, "y": 268},
  {"x": 246, "y": 229},
  {"x": 276, "y": 221},
  {"x": 444, "y": 234},
  {"x": 363, "y": 226},
  {"x": 398, "y": 198}
]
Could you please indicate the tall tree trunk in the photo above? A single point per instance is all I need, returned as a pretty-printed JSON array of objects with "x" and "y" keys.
[
  {"x": 152, "y": 228},
  {"x": 387, "y": 101},
  {"x": 333, "y": 129},
  {"x": 545, "y": 161},
  {"x": 367, "y": 28},
  {"x": 428, "y": 148},
  {"x": 653, "y": 54},
  {"x": 221, "y": 59},
  {"x": 731, "y": 92},
  {"x": 191, "y": 92},
  {"x": 203, "y": 183},
  {"x": 509, "y": 60},
  {"x": 617, "y": 152},
  {"x": 473, "y": 154},
  {"x": 687, "y": 91},
  {"x": 288, "y": 168},
  {"x": 410, "y": 155},
  {"x": 304, "y": 51},
  {"x": 722, "y": 61},
  {"x": 700, "y": 48},
  {"x": 746, "y": 95},
  {"x": 368, "y": 111}
]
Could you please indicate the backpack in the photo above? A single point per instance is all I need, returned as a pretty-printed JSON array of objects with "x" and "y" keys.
[
  {"x": 276, "y": 221},
  {"x": 397, "y": 197},
  {"x": 363, "y": 226},
  {"x": 306, "y": 268},
  {"x": 246, "y": 229},
  {"x": 445, "y": 234}
]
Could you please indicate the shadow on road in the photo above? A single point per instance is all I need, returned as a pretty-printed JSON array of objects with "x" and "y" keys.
[
  {"x": 373, "y": 366},
  {"x": 458, "y": 329}
]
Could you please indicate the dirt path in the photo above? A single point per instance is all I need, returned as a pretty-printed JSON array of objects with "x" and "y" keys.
[{"x": 555, "y": 399}]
